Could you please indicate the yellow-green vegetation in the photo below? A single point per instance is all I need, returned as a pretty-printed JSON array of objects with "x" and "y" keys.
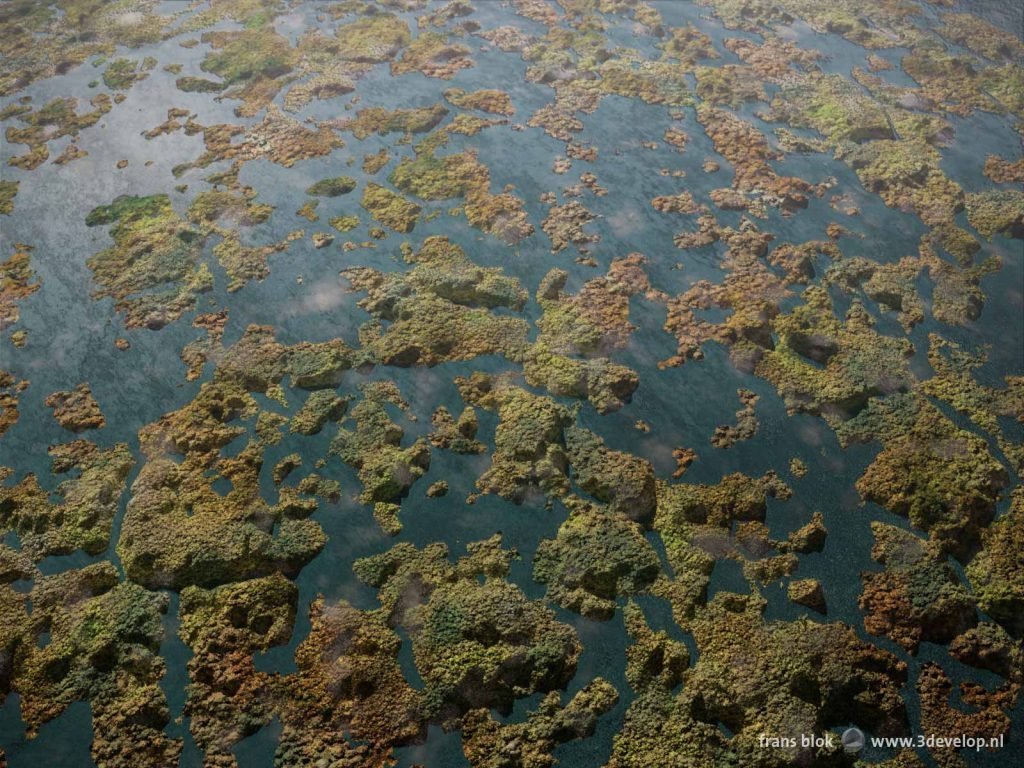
[
  {"x": 653, "y": 82},
  {"x": 477, "y": 640},
  {"x": 746, "y": 422},
  {"x": 892, "y": 22},
  {"x": 808, "y": 593},
  {"x": 320, "y": 407},
  {"x": 373, "y": 445},
  {"x": 79, "y": 512},
  {"x": 8, "y": 191},
  {"x": 244, "y": 263},
  {"x": 893, "y": 286},
  {"x": 382, "y": 121},
  {"x": 219, "y": 212},
  {"x": 348, "y": 682},
  {"x": 214, "y": 206},
  {"x": 529, "y": 451},
  {"x": 252, "y": 63},
  {"x": 41, "y": 41},
  {"x": 486, "y": 100},
  {"x": 122, "y": 74},
  {"x": 434, "y": 178},
  {"x": 375, "y": 38},
  {"x": 390, "y": 208},
  {"x": 750, "y": 291},
  {"x": 695, "y": 522},
  {"x": 880, "y": 316},
  {"x": 918, "y": 596},
  {"x": 332, "y": 187},
  {"x": 834, "y": 106},
  {"x": 831, "y": 367},
  {"x": 191, "y": 84},
  {"x": 588, "y": 325},
  {"x": 489, "y": 742},
  {"x": 956, "y": 382},
  {"x": 625, "y": 481},
  {"x": 440, "y": 309},
  {"x": 564, "y": 225},
  {"x": 224, "y": 628},
  {"x": 179, "y": 528},
  {"x": 688, "y": 45},
  {"x": 308, "y": 210},
  {"x": 433, "y": 55},
  {"x": 52, "y": 121},
  {"x": 941, "y": 477},
  {"x": 17, "y": 283},
  {"x": 454, "y": 435},
  {"x": 374, "y": 162},
  {"x": 981, "y": 36},
  {"x": 729, "y": 85},
  {"x": 10, "y": 390},
  {"x": 348, "y": 697},
  {"x": 750, "y": 674},
  {"x": 953, "y": 81},
  {"x": 344, "y": 223},
  {"x": 83, "y": 635},
  {"x": 906, "y": 174},
  {"x": 462, "y": 175},
  {"x": 596, "y": 557},
  {"x": 997, "y": 211},
  {"x": 995, "y": 572},
  {"x": 278, "y": 138},
  {"x": 152, "y": 272}
]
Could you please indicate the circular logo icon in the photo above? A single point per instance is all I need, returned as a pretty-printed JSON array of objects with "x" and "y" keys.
[{"x": 853, "y": 740}]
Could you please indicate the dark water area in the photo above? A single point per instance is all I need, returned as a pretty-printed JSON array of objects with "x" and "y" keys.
[{"x": 1008, "y": 16}]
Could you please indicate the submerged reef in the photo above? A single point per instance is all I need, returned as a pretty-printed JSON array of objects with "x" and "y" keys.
[{"x": 316, "y": 315}]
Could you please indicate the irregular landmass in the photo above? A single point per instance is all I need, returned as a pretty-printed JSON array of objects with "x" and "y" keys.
[{"x": 77, "y": 409}]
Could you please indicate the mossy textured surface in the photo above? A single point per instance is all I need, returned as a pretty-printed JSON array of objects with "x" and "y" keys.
[{"x": 314, "y": 316}]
